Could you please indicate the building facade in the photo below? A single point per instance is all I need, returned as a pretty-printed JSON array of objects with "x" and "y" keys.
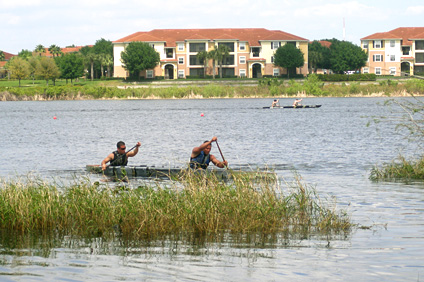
[
  {"x": 251, "y": 52},
  {"x": 396, "y": 52}
]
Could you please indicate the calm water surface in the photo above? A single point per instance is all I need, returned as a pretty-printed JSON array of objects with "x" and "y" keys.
[{"x": 331, "y": 147}]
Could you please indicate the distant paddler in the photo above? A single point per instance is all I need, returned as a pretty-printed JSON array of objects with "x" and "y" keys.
[
  {"x": 275, "y": 103},
  {"x": 297, "y": 103},
  {"x": 201, "y": 157},
  {"x": 120, "y": 156}
]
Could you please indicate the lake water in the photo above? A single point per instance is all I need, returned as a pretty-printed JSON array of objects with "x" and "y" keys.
[{"x": 331, "y": 147}]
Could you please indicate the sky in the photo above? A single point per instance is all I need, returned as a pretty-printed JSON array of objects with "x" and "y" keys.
[{"x": 27, "y": 23}]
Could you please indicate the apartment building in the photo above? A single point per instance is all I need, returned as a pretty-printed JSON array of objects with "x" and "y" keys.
[
  {"x": 251, "y": 51},
  {"x": 396, "y": 52}
]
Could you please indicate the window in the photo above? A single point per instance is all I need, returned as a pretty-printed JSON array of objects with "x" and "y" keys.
[
  {"x": 378, "y": 71},
  {"x": 276, "y": 72},
  {"x": 242, "y": 46},
  {"x": 180, "y": 46},
  {"x": 169, "y": 53},
  {"x": 419, "y": 58},
  {"x": 366, "y": 70},
  {"x": 392, "y": 43},
  {"x": 242, "y": 73},
  {"x": 365, "y": 45},
  {"x": 377, "y": 58},
  {"x": 272, "y": 59},
  {"x": 419, "y": 45},
  {"x": 180, "y": 73},
  {"x": 275, "y": 45},
  {"x": 197, "y": 72},
  {"x": 392, "y": 58},
  {"x": 181, "y": 60},
  {"x": 377, "y": 43},
  {"x": 197, "y": 47},
  {"x": 405, "y": 51},
  {"x": 242, "y": 60},
  {"x": 229, "y": 60},
  {"x": 393, "y": 71},
  {"x": 230, "y": 45},
  {"x": 255, "y": 51},
  {"x": 194, "y": 61},
  {"x": 149, "y": 74}
]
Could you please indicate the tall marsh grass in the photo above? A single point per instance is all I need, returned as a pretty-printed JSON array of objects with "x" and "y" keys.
[
  {"x": 196, "y": 205},
  {"x": 399, "y": 168}
]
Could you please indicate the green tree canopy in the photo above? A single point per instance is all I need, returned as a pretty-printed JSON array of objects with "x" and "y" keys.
[
  {"x": 203, "y": 58},
  {"x": 39, "y": 49},
  {"x": 318, "y": 56},
  {"x": 47, "y": 69},
  {"x": 25, "y": 54},
  {"x": 71, "y": 66},
  {"x": 33, "y": 65},
  {"x": 139, "y": 56},
  {"x": 345, "y": 56},
  {"x": 289, "y": 57},
  {"x": 55, "y": 50},
  {"x": 2, "y": 56},
  {"x": 18, "y": 68}
]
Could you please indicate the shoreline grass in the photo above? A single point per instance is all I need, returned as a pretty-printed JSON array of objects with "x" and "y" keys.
[
  {"x": 310, "y": 87},
  {"x": 197, "y": 205},
  {"x": 399, "y": 169}
]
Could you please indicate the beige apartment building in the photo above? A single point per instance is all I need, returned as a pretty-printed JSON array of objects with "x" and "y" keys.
[
  {"x": 396, "y": 52},
  {"x": 251, "y": 51}
]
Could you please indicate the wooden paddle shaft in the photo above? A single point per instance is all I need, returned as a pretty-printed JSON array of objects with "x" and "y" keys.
[{"x": 220, "y": 151}]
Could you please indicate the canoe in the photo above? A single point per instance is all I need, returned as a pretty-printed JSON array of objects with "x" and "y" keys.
[
  {"x": 121, "y": 172},
  {"x": 294, "y": 107}
]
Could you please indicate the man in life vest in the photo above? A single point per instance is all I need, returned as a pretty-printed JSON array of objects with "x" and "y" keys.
[
  {"x": 120, "y": 157},
  {"x": 201, "y": 157}
]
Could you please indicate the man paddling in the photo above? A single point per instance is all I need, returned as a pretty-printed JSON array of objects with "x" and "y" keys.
[
  {"x": 120, "y": 156},
  {"x": 201, "y": 157}
]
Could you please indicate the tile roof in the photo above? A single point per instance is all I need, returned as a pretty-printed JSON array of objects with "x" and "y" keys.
[
  {"x": 171, "y": 36},
  {"x": 406, "y": 34}
]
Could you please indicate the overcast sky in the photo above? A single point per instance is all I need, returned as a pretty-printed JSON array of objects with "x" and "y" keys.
[{"x": 26, "y": 23}]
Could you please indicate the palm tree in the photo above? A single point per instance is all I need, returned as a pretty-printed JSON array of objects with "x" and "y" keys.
[
  {"x": 213, "y": 55},
  {"x": 55, "y": 50},
  {"x": 108, "y": 64},
  {"x": 222, "y": 53},
  {"x": 91, "y": 57},
  {"x": 203, "y": 57},
  {"x": 2, "y": 56},
  {"x": 40, "y": 49},
  {"x": 105, "y": 60}
]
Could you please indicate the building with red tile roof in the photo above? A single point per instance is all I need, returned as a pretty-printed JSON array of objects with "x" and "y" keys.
[
  {"x": 251, "y": 51},
  {"x": 396, "y": 52},
  {"x": 7, "y": 57}
]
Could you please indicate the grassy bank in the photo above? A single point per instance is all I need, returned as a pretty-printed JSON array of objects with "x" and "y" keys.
[
  {"x": 399, "y": 169},
  {"x": 266, "y": 88},
  {"x": 196, "y": 205}
]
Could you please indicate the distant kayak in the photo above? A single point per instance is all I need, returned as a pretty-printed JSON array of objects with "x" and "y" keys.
[{"x": 294, "y": 107}]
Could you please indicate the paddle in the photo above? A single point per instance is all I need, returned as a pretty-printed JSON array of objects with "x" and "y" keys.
[{"x": 222, "y": 156}]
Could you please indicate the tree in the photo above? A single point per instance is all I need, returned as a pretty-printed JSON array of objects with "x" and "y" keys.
[
  {"x": 213, "y": 55},
  {"x": 104, "y": 51},
  {"x": 33, "y": 65},
  {"x": 2, "y": 56},
  {"x": 319, "y": 55},
  {"x": 222, "y": 53},
  {"x": 289, "y": 57},
  {"x": 40, "y": 49},
  {"x": 315, "y": 58},
  {"x": 47, "y": 69},
  {"x": 55, "y": 50},
  {"x": 25, "y": 54},
  {"x": 18, "y": 68},
  {"x": 139, "y": 56},
  {"x": 71, "y": 66},
  {"x": 203, "y": 57},
  {"x": 345, "y": 56}
]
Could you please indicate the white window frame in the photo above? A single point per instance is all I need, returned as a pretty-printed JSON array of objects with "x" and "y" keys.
[
  {"x": 378, "y": 58},
  {"x": 377, "y": 44},
  {"x": 242, "y": 46},
  {"x": 181, "y": 74},
  {"x": 366, "y": 70},
  {"x": 242, "y": 73},
  {"x": 275, "y": 43},
  {"x": 242, "y": 59},
  {"x": 181, "y": 60},
  {"x": 392, "y": 70},
  {"x": 378, "y": 71},
  {"x": 392, "y": 43},
  {"x": 149, "y": 73},
  {"x": 365, "y": 44},
  {"x": 392, "y": 58},
  {"x": 275, "y": 72},
  {"x": 180, "y": 46}
]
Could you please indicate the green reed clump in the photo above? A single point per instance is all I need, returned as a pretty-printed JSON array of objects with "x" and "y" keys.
[
  {"x": 197, "y": 203},
  {"x": 401, "y": 168}
]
